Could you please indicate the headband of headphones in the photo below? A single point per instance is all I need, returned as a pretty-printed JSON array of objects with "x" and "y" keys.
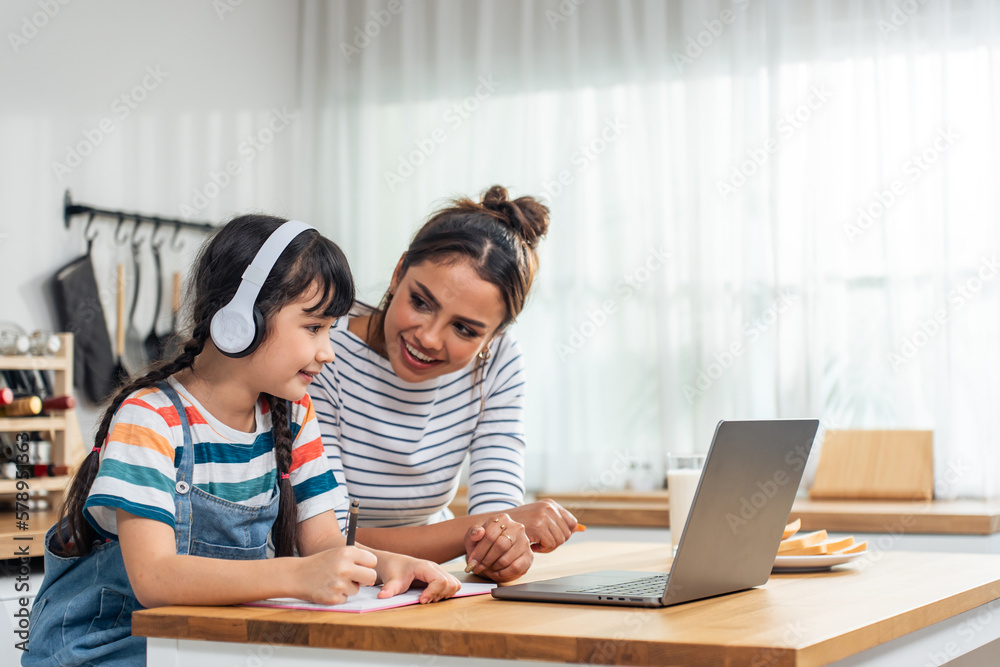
[{"x": 238, "y": 327}]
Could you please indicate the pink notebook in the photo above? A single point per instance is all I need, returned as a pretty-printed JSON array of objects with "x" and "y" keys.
[{"x": 367, "y": 600}]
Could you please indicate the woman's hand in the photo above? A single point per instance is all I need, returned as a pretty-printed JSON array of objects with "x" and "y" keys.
[
  {"x": 546, "y": 523},
  {"x": 397, "y": 572},
  {"x": 498, "y": 549},
  {"x": 331, "y": 576}
]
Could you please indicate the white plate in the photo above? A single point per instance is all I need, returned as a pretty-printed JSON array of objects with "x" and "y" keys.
[{"x": 811, "y": 563}]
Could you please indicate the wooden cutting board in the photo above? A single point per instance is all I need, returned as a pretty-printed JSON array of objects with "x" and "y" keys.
[{"x": 861, "y": 464}]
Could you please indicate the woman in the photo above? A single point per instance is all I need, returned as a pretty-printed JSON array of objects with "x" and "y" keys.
[{"x": 433, "y": 374}]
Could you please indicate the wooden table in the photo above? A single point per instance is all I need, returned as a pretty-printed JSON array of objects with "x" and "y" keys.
[{"x": 899, "y": 609}]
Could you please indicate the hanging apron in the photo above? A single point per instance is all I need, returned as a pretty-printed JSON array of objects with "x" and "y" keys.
[{"x": 82, "y": 614}]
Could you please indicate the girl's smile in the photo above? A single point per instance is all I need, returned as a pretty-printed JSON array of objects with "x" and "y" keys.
[{"x": 296, "y": 348}]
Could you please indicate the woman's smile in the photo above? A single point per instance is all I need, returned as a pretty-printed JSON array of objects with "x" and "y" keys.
[
  {"x": 413, "y": 351},
  {"x": 442, "y": 315}
]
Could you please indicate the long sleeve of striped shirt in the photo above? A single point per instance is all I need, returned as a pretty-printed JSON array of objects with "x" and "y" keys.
[
  {"x": 496, "y": 455},
  {"x": 398, "y": 446},
  {"x": 138, "y": 461}
]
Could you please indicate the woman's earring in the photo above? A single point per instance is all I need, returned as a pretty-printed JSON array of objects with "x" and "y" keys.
[{"x": 485, "y": 353}]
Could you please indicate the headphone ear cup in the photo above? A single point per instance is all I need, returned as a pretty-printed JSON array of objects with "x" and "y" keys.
[
  {"x": 258, "y": 336},
  {"x": 258, "y": 331}
]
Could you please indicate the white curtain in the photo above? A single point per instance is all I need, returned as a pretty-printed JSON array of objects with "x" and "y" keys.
[{"x": 759, "y": 209}]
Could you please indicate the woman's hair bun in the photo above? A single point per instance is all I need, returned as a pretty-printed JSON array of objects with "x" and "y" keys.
[{"x": 525, "y": 216}]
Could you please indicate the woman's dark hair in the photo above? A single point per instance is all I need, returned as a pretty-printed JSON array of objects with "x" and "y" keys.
[
  {"x": 497, "y": 236},
  {"x": 309, "y": 259}
]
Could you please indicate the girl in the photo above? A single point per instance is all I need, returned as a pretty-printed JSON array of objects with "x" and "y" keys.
[
  {"x": 209, "y": 462},
  {"x": 433, "y": 374}
]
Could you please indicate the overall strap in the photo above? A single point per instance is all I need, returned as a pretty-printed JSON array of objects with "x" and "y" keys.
[{"x": 185, "y": 475}]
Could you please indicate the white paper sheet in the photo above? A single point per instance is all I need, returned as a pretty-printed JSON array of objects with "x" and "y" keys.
[{"x": 367, "y": 600}]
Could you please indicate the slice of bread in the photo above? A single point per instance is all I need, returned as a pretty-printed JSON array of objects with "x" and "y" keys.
[
  {"x": 822, "y": 549},
  {"x": 791, "y": 529},
  {"x": 833, "y": 546},
  {"x": 814, "y": 550},
  {"x": 807, "y": 540},
  {"x": 858, "y": 548}
]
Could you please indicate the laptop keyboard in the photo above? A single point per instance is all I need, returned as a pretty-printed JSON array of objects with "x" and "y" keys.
[{"x": 644, "y": 587}]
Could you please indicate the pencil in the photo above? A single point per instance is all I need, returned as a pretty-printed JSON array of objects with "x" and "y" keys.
[{"x": 352, "y": 522}]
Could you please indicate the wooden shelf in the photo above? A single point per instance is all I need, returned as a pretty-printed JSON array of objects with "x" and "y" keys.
[
  {"x": 35, "y": 484},
  {"x": 67, "y": 449},
  {"x": 18, "y": 424},
  {"x": 935, "y": 517},
  {"x": 56, "y": 363},
  {"x": 33, "y": 539},
  {"x": 628, "y": 509}
]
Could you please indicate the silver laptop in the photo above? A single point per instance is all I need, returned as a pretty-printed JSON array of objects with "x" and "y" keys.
[{"x": 731, "y": 537}]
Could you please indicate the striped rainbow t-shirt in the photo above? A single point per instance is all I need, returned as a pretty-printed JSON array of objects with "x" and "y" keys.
[{"x": 138, "y": 461}]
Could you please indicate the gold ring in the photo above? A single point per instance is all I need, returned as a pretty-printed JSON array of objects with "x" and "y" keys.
[
  {"x": 496, "y": 520},
  {"x": 509, "y": 538},
  {"x": 503, "y": 527}
]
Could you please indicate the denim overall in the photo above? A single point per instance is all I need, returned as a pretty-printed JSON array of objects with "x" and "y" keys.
[{"x": 82, "y": 614}]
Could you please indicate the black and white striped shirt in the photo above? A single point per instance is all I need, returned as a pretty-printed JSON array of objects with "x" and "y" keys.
[{"x": 398, "y": 446}]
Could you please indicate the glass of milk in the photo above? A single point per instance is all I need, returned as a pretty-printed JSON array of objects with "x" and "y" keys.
[{"x": 683, "y": 473}]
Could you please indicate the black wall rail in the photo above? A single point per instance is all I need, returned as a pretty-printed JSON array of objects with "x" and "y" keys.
[{"x": 70, "y": 210}]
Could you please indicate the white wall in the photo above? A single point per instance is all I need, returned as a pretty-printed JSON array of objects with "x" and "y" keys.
[{"x": 219, "y": 78}]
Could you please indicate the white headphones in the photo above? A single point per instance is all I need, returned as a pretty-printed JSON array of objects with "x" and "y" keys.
[{"x": 238, "y": 327}]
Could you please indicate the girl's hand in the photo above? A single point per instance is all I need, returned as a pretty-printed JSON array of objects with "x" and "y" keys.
[
  {"x": 331, "y": 576},
  {"x": 498, "y": 549},
  {"x": 397, "y": 572},
  {"x": 547, "y": 524}
]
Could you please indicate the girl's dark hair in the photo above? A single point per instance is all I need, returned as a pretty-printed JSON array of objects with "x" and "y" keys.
[
  {"x": 498, "y": 236},
  {"x": 309, "y": 259}
]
